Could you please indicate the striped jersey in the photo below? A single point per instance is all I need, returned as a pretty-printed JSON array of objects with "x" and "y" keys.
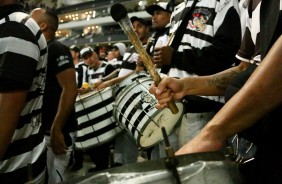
[
  {"x": 104, "y": 70},
  {"x": 81, "y": 73},
  {"x": 250, "y": 50},
  {"x": 210, "y": 40},
  {"x": 23, "y": 58}
]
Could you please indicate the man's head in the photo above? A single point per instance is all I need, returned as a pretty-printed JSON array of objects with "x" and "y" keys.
[
  {"x": 47, "y": 20},
  {"x": 90, "y": 57},
  {"x": 141, "y": 27},
  {"x": 161, "y": 14},
  {"x": 75, "y": 52}
]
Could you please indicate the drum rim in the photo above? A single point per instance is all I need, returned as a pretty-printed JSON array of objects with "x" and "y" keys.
[{"x": 94, "y": 93}]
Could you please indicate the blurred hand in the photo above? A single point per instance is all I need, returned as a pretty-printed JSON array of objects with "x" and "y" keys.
[
  {"x": 162, "y": 55},
  {"x": 103, "y": 85},
  {"x": 58, "y": 144}
]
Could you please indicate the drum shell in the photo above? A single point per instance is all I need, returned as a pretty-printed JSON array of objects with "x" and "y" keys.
[
  {"x": 196, "y": 168},
  {"x": 96, "y": 124},
  {"x": 134, "y": 109},
  {"x": 127, "y": 81}
]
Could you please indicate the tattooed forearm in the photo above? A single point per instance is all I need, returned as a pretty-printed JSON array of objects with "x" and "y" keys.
[{"x": 221, "y": 81}]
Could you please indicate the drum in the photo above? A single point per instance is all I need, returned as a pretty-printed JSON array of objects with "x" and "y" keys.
[
  {"x": 196, "y": 168},
  {"x": 127, "y": 81},
  {"x": 96, "y": 124},
  {"x": 134, "y": 109}
]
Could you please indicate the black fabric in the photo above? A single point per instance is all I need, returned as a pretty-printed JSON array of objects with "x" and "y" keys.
[
  {"x": 127, "y": 65},
  {"x": 59, "y": 59},
  {"x": 265, "y": 134},
  {"x": 197, "y": 104},
  {"x": 80, "y": 75},
  {"x": 100, "y": 155}
]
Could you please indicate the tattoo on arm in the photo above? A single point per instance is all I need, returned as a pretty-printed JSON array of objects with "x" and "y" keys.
[{"x": 221, "y": 81}]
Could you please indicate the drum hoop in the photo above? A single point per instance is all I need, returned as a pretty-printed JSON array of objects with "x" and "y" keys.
[
  {"x": 91, "y": 95},
  {"x": 168, "y": 131}
]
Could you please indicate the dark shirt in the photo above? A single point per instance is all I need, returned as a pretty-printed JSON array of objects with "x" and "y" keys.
[{"x": 59, "y": 59}]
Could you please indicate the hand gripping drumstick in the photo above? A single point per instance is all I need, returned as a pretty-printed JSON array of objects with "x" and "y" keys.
[{"x": 119, "y": 14}]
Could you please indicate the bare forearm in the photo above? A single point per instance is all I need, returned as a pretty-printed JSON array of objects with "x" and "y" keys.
[
  {"x": 66, "y": 106},
  {"x": 260, "y": 95},
  {"x": 212, "y": 85}
]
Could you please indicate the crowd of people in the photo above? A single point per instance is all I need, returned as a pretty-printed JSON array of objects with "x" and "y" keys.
[{"x": 219, "y": 58}]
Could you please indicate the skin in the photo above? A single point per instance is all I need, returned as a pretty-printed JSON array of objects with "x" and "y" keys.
[
  {"x": 233, "y": 117},
  {"x": 110, "y": 56},
  {"x": 116, "y": 53},
  {"x": 92, "y": 60},
  {"x": 141, "y": 31},
  {"x": 160, "y": 19},
  {"x": 67, "y": 82}
]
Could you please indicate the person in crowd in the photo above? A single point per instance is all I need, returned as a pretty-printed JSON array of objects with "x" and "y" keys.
[
  {"x": 252, "y": 92},
  {"x": 110, "y": 56},
  {"x": 125, "y": 147},
  {"x": 22, "y": 81},
  {"x": 118, "y": 51},
  {"x": 161, "y": 14},
  {"x": 58, "y": 112},
  {"x": 81, "y": 74},
  {"x": 206, "y": 35},
  {"x": 80, "y": 66},
  {"x": 96, "y": 70},
  {"x": 129, "y": 61}
]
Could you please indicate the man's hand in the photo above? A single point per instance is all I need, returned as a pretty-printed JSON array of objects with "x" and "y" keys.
[
  {"x": 58, "y": 144},
  {"x": 163, "y": 55}
]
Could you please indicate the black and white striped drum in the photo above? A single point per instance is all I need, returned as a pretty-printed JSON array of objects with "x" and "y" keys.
[
  {"x": 127, "y": 81},
  {"x": 134, "y": 108},
  {"x": 96, "y": 124}
]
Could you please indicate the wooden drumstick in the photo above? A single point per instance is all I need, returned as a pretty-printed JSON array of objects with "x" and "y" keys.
[{"x": 119, "y": 14}]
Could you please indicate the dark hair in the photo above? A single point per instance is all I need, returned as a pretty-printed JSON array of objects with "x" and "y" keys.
[{"x": 53, "y": 20}]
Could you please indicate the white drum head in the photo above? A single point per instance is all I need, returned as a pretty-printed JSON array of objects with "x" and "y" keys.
[{"x": 152, "y": 133}]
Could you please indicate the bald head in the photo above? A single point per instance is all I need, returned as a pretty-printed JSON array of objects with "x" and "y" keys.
[{"x": 47, "y": 20}]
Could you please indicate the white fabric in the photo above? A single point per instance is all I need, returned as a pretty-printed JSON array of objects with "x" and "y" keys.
[{"x": 57, "y": 164}]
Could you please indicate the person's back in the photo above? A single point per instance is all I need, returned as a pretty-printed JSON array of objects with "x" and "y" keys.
[{"x": 22, "y": 78}]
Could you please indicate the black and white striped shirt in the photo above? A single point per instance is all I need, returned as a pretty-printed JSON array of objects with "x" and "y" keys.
[
  {"x": 94, "y": 74},
  {"x": 23, "y": 58},
  {"x": 211, "y": 39}
]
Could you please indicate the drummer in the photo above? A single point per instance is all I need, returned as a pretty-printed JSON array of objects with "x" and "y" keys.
[
  {"x": 125, "y": 148},
  {"x": 128, "y": 66},
  {"x": 96, "y": 70}
]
